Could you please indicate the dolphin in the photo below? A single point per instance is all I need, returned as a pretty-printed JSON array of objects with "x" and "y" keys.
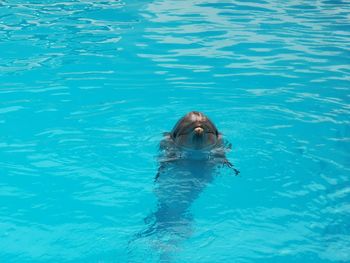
[{"x": 188, "y": 160}]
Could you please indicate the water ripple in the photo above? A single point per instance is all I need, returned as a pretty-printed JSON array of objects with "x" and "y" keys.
[{"x": 88, "y": 88}]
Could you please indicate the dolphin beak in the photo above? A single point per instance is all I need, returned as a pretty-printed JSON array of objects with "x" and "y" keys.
[{"x": 198, "y": 131}]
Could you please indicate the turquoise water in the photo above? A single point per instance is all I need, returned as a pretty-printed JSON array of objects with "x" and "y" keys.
[{"x": 88, "y": 88}]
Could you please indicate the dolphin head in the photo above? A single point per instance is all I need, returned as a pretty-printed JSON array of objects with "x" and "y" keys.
[{"x": 195, "y": 131}]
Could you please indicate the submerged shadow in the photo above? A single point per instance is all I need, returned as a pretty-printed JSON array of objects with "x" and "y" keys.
[{"x": 179, "y": 184}]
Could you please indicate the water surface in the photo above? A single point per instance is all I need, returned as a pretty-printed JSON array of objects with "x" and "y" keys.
[{"x": 88, "y": 88}]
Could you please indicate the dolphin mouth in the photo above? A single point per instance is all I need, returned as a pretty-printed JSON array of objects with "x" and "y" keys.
[
  {"x": 195, "y": 137},
  {"x": 197, "y": 142}
]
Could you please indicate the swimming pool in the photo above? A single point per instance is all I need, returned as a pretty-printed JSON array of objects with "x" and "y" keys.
[{"x": 88, "y": 88}]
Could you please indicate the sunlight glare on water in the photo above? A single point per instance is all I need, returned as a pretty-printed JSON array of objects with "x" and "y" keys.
[{"x": 88, "y": 88}]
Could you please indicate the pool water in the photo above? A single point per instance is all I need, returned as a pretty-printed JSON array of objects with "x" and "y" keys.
[{"x": 88, "y": 88}]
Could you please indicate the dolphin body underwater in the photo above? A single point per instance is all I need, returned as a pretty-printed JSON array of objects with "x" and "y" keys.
[{"x": 189, "y": 157}]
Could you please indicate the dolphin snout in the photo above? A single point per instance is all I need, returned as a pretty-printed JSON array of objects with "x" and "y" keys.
[{"x": 198, "y": 131}]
